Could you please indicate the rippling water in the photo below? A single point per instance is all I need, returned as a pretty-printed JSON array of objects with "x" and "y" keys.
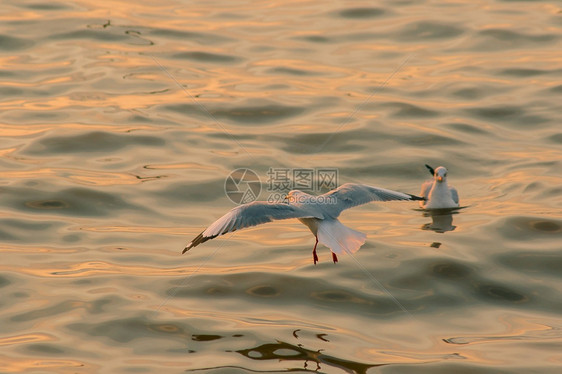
[{"x": 120, "y": 122}]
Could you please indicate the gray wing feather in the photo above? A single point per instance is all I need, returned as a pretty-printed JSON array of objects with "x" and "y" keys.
[
  {"x": 454, "y": 194},
  {"x": 352, "y": 194},
  {"x": 248, "y": 215}
]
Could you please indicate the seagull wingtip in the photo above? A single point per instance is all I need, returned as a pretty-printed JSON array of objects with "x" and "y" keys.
[
  {"x": 416, "y": 198},
  {"x": 431, "y": 170}
]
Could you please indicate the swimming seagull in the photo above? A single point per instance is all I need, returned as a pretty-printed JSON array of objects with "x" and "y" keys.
[
  {"x": 437, "y": 194},
  {"x": 318, "y": 213}
]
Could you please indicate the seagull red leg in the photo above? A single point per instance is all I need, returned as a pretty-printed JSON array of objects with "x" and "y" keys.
[
  {"x": 314, "y": 255},
  {"x": 334, "y": 257}
]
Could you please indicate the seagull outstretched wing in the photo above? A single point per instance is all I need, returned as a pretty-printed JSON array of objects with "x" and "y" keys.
[
  {"x": 353, "y": 194},
  {"x": 248, "y": 215}
]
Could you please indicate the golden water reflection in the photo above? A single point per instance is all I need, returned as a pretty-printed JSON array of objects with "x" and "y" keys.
[{"x": 98, "y": 98}]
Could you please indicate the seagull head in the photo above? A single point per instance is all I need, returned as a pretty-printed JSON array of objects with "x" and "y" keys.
[
  {"x": 296, "y": 197},
  {"x": 290, "y": 197},
  {"x": 440, "y": 174}
]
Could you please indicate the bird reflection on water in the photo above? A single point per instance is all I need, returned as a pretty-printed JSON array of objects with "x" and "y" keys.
[
  {"x": 312, "y": 360},
  {"x": 441, "y": 220},
  {"x": 288, "y": 352}
]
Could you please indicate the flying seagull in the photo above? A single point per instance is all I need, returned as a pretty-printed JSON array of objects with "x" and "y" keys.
[
  {"x": 318, "y": 213},
  {"x": 436, "y": 193}
]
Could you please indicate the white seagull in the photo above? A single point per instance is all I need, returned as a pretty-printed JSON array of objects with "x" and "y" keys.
[
  {"x": 318, "y": 213},
  {"x": 436, "y": 193}
]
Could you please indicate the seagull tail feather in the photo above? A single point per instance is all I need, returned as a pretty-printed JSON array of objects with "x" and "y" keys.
[{"x": 339, "y": 238}]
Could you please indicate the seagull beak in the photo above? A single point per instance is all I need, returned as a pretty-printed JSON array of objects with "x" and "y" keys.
[{"x": 439, "y": 179}]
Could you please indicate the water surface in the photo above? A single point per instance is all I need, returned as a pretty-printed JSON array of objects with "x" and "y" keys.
[{"x": 120, "y": 122}]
